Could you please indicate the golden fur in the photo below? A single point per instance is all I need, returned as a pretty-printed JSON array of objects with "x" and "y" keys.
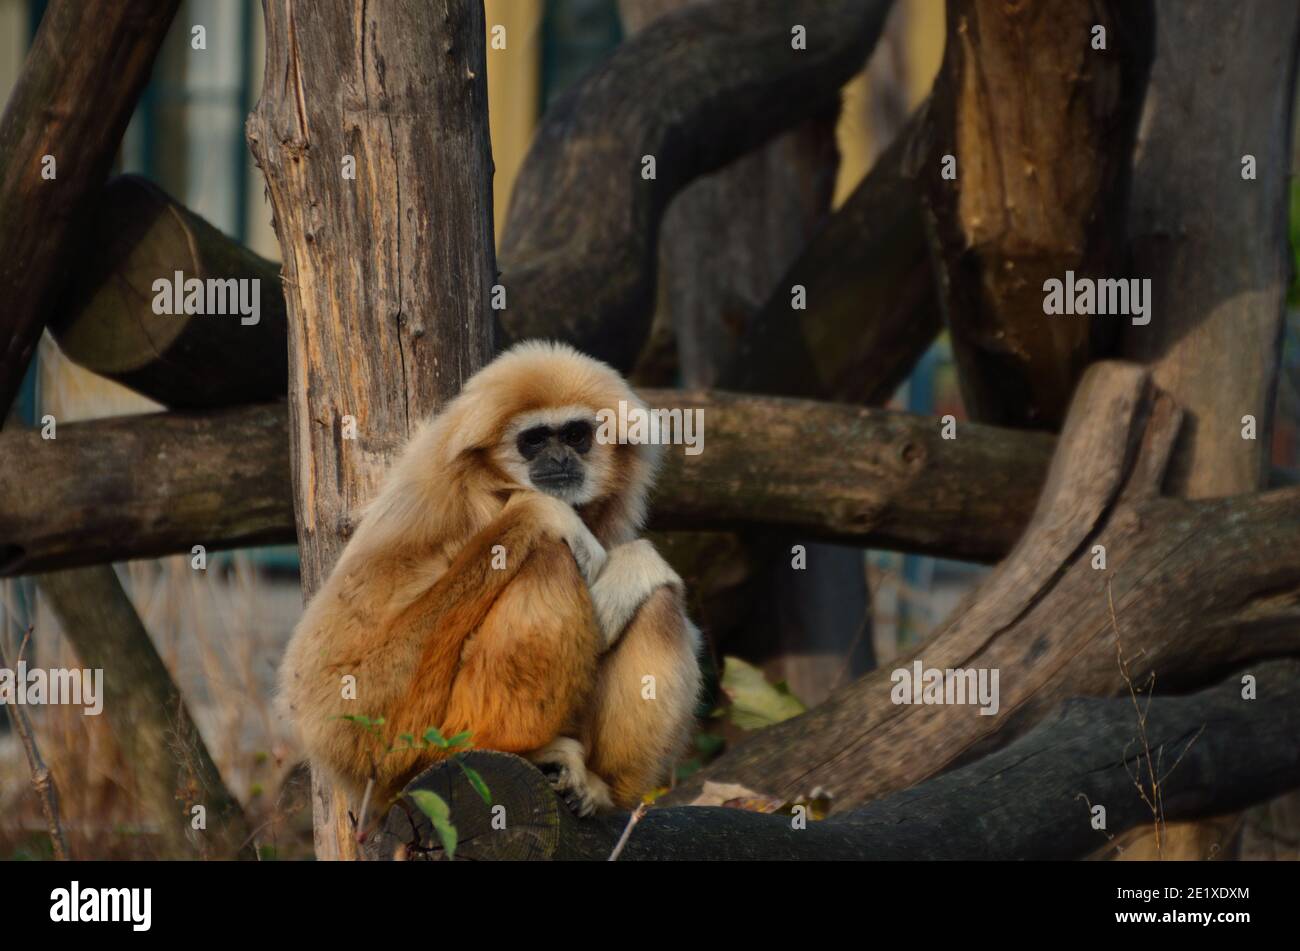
[{"x": 435, "y": 634}]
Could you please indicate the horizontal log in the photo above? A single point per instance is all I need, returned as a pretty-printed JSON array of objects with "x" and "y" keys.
[
  {"x": 143, "y": 486},
  {"x": 107, "y": 322},
  {"x": 1030, "y": 800},
  {"x": 851, "y": 474}
]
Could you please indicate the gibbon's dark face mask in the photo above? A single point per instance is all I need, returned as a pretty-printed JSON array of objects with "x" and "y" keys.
[{"x": 556, "y": 457}]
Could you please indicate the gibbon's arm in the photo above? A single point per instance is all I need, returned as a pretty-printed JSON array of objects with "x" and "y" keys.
[
  {"x": 458, "y": 602},
  {"x": 633, "y": 571},
  {"x": 507, "y": 651}
]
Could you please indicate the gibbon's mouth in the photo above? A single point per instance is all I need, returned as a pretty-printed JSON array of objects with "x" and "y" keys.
[{"x": 558, "y": 480}]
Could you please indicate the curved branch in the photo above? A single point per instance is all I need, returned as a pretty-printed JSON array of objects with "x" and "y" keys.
[{"x": 694, "y": 90}]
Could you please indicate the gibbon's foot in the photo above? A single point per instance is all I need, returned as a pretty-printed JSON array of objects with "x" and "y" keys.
[{"x": 582, "y": 790}]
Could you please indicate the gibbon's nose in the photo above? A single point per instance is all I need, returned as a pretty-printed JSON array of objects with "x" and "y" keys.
[{"x": 557, "y": 458}]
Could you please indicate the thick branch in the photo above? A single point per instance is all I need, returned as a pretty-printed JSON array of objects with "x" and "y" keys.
[
  {"x": 160, "y": 483},
  {"x": 73, "y": 109},
  {"x": 1030, "y": 800},
  {"x": 1197, "y": 586},
  {"x": 693, "y": 90},
  {"x": 872, "y": 300}
]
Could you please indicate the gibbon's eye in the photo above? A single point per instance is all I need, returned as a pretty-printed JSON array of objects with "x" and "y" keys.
[
  {"x": 532, "y": 441},
  {"x": 577, "y": 435}
]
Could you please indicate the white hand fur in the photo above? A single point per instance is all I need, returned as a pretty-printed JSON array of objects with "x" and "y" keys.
[
  {"x": 561, "y": 521},
  {"x": 633, "y": 571}
]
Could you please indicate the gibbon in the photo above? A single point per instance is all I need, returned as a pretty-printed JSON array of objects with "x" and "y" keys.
[{"x": 496, "y": 585}]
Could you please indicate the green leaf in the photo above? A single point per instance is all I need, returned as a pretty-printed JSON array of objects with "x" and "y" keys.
[
  {"x": 434, "y": 735},
  {"x": 439, "y": 813},
  {"x": 365, "y": 723},
  {"x": 460, "y": 739},
  {"x": 476, "y": 781},
  {"x": 755, "y": 703}
]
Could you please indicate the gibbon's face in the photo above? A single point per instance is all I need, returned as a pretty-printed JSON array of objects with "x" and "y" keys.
[{"x": 556, "y": 451}]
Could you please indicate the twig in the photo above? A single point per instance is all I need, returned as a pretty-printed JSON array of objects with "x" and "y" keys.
[
  {"x": 361, "y": 819},
  {"x": 627, "y": 832},
  {"x": 1156, "y": 799},
  {"x": 42, "y": 781}
]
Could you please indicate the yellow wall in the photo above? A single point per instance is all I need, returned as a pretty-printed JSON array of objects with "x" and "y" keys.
[
  {"x": 514, "y": 77},
  {"x": 903, "y": 67}
]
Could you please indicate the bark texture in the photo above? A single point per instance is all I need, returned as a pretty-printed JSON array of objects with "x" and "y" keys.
[
  {"x": 1040, "y": 124},
  {"x": 387, "y": 273}
]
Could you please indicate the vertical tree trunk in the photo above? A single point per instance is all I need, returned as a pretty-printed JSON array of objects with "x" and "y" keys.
[
  {"x": 1038, "y": 125},
  {"x": 386, "y": 274},
  {"x": 1214, "y": 244}
]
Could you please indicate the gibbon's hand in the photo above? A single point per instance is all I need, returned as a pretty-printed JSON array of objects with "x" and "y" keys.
[
  {"x": 633, "y": 571},
  {"x": 559, "y": 520}
]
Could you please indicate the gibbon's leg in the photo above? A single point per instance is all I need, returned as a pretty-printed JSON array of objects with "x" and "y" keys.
[
  {"x": 504, "y": 648},
  {"x": 631, "y": 574},
  {"x": 644, "y": 705}
]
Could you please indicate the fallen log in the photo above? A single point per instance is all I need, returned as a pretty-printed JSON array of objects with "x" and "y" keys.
[
  {"x": 1034, "y": 799},
  {"x": 143, "y": 486}
]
